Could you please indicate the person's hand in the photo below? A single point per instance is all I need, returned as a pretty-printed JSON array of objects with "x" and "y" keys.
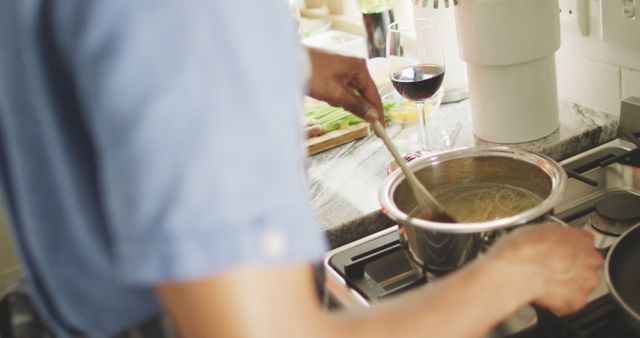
[
  {"x": 345, "y": 82},
  {"x": 561, "y": 262}
]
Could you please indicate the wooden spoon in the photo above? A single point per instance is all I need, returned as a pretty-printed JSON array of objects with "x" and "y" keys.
[{"x": 427, "y": 204}]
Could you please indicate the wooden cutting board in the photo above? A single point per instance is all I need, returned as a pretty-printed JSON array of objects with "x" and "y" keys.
[{"x": 337, "y": 137}]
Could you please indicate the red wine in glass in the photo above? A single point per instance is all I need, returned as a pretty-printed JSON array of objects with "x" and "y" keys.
[
  {"x": 416, "y": 67},
  {"x": 418, "y": 82}
]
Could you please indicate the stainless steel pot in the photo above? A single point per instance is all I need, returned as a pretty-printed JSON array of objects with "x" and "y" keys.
[{"x": 439, "y": 248}]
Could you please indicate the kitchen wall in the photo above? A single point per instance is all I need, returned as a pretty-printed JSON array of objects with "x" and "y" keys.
[{"x": 598, "y": 70}]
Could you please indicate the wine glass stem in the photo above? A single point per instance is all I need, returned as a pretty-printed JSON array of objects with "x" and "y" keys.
[{"x": 422, "y": 119}]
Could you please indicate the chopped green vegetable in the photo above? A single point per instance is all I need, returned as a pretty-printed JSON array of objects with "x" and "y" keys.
[
  {"x": 388, "y": 105},
  {"x": 332, "y": 118}
]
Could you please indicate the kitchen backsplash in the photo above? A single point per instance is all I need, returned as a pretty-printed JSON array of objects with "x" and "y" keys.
[
  {"x": 591, "y": 71},
  {"x": 594, "y": 72}
]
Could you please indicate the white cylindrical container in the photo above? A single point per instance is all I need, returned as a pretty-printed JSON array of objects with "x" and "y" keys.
[{"x": 509, "y": 48}]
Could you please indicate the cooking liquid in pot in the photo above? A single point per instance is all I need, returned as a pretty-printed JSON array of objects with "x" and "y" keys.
[{"x": 481, "y": 202}]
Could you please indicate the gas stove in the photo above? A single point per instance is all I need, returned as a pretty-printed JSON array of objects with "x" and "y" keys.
[{"x": 602, "y": 196}]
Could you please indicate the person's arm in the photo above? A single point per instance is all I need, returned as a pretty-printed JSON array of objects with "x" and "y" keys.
[
  {"x": 281, "y": 302},
  {"x": 549, "y": 265}
]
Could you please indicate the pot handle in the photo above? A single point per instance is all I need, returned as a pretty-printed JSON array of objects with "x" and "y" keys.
[{"x": 580, "y": 177}]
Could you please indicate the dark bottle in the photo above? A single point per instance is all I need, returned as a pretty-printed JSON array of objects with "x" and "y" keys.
[{"x": 377, "y": 15}]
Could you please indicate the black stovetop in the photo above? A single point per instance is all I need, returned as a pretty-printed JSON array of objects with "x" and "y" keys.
[{"x": 600, "y": 319}]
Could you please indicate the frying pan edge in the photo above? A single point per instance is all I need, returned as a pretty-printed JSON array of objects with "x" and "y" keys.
[{"x": 607, "y": 272}]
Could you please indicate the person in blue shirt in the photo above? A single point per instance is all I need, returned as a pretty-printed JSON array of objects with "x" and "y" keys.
[{"x": 151, "y": 162}]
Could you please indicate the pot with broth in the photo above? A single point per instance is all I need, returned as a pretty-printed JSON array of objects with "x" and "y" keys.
[
  {"x": 481, "y": 202},
  {"x": 488, "y": 190}
]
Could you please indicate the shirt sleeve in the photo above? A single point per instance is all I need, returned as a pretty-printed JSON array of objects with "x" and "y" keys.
[{"x": 194, "y": 110}]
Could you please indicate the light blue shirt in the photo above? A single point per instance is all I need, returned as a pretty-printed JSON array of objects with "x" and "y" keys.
[{"x": 148, "y": 141}]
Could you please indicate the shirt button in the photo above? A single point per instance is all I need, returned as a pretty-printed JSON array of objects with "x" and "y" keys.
[{"x": 274, "y": 243}]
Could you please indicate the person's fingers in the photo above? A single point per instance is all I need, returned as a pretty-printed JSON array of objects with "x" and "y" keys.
[
  {"x": 365, "y": 86},
  {"x": 574, "y": 304},
  {"x": 374, "y": 111},
  {"x": 356, "y": 104},
  {"x": 594, "y": 259},
  {"x": 583, "y": 233},
  {"x": 589, "y": 280},
  {"x": 598, "y": 259},
  {"x": 564, "y": 302}
]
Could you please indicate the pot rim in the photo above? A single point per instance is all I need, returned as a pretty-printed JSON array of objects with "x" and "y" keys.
[{"x": 549, "y": 166}]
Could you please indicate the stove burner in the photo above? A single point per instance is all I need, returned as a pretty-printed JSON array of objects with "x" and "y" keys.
[{"x": 616, "y": 212}]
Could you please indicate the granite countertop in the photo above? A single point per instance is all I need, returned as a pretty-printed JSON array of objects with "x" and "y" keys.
[{"x": 344, "y": 181}]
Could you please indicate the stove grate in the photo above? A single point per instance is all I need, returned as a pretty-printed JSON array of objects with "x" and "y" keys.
[{"x": 600, "y": 319}]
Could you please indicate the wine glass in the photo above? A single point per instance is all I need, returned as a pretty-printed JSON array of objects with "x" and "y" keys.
[{"x": 416, "y": 68}]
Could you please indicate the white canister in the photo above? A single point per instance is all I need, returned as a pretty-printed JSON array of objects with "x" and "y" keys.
[{"x": 509, "y": 48}]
